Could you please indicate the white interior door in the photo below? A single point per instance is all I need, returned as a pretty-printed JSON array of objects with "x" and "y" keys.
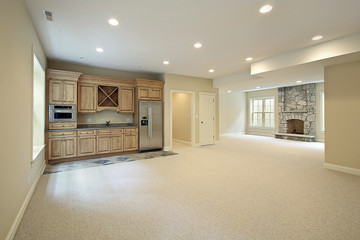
[{"x": 207, "y": 118}]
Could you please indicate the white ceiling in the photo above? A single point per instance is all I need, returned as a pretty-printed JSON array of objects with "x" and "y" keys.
[{"x": 151, "y": 31}]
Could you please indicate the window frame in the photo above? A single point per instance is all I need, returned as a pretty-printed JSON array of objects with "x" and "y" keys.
[
  {"x": 36, "y": 149},
  {"x": 251, "y": 103}
]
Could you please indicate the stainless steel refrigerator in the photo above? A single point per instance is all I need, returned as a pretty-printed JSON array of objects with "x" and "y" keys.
[{"x": 150, "y": 125}]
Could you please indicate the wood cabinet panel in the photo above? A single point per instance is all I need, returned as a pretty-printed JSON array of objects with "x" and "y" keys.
[
  {"x": 103, "y": 144},
  {"x": 117, "y": 143},
  {"x": 62, "y": 134},
  {"x": 64, "y": 125},
  {"x": 55, "y": 146},
  {"x": 109, "y": 131},
  {"x": 69, "y": 147},
  {"x": 70, "y": 92},
  {"x": 55, "y": 92},
  {"x": 86, "y": 146},
  {"x": 87, "y": 98},
  {"x": 156, "y": 93},
  {"x": 130, "y": 141},
  {"x": 84, "y": 133},
  {"x": 127, "y": 103},
  {"x": 143, "y": 93}
]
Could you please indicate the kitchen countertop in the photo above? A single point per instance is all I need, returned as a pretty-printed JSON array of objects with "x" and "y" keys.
[{"x": 96, "y": 126}]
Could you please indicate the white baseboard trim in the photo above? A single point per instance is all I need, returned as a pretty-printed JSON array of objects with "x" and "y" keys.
[
  {"x": 196, "y": 145},
  {"x": 167, "y": 148},
  {"x": 21, "y": 212},
  {"x": 319, "y": 140},
  {"x": 353, "y": 171},
  {"x": 182, "y": 141}
]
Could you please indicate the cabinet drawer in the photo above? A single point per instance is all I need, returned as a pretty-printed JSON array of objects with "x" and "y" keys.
[
  {"x": 62, "y": 134},
  {"x": 127, "y": 130},
  {"x": 83, "y": 133},
  {"x": 109, "y": 131},
  {"x": 64, "y": 125}
]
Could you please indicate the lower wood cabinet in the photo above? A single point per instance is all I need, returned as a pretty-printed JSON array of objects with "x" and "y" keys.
[
  {"x": 130, "y": 141},
  {"x": 78, "y": 143},
  {"x": 86, "y": 146},
  {"x": 62, "y": 148}
]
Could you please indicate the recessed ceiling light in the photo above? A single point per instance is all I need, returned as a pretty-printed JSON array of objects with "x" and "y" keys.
[
  {"x": 298, "y": 81},
  {"x": 249, "y": 59},
  {"x": 229, "y": 91},
  {"x": 197, "y": 45},
  {"x": 113, "y": 22},
  {"x": 265, "y": 9},
  {"x": 100, "y": 50},
  {"x": 211, "y": 70},
  {"x": 166, "y": 62},
  {"x": 318, "y": 37},
  {"x": 257, "y": 87}
]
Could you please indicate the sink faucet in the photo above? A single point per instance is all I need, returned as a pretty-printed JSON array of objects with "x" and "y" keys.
[{"x": 107, "y": 123}]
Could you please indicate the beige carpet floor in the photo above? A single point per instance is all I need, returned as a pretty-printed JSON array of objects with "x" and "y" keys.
[{"x": 245, "y": 187}]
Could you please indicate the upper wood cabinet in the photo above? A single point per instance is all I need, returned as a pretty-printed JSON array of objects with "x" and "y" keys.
[
  {"x": 62, "y": 86},
  {"x": 127, "y": 102},
  {"x": 98, "y": 93},
  {"x": 149, "y": 89},
  {"x": 87, "y": 97}
]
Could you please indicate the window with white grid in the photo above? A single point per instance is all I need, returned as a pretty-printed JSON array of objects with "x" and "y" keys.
[{"x": 262, "y": 112}]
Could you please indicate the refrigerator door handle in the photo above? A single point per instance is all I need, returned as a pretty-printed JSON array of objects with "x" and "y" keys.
[{"x": 150, "y": 123}]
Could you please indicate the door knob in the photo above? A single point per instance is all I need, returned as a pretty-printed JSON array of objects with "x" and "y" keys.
[{"x": 202, "y": 122}]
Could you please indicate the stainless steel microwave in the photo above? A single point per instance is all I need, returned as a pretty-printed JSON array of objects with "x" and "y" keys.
[{"x": 62, "y": 113}]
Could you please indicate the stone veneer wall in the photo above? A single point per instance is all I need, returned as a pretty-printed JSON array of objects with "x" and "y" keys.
[{"x": 298, "y": 102}]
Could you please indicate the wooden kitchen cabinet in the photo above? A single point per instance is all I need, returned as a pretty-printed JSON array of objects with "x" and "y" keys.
[
  {"x": 86, "y": 146},
  {"x": 62, "y": 86},
  {"x": 62, "y": 147},
  {"x": 87, "y": 98},
  {"x": 130, "y": 139},
  {"x": 117, "y": 143},
  {"x": 149, "y": 89},
  {"x": 62, "y": 92},
  {"x": 109, "y": 140},
  {"x": 127, "y": 102},
  {"x": 148, "y": 93},
  {"x": 103, "y": 144}
]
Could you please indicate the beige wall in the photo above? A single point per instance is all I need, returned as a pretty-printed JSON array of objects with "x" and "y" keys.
[
  {"x": 186, "y": 83},
  {"x": 260, "y": 94},
  {"x": 17, "y": 173},
  {"x": 181, "y": 121},
  {"x": 232, "y": 108},
  {"x": 320, "y": 135},
  {"x": 89, "y": 70},
  {"x": 342, "y": 113},
  {"x": 103, "y": 116}
]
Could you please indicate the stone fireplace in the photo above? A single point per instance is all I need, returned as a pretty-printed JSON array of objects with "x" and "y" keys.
[{"x": 297, "y": 113}]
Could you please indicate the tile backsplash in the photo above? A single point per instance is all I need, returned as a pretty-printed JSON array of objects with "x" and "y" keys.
[{"x": 103, "y": 116}]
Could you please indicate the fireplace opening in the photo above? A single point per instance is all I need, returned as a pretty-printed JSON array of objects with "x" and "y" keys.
[{"x": 295, "y": 126}]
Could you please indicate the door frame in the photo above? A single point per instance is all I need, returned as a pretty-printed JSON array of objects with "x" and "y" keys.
[
  {"x": 192, "y": 115},
  {"x": 214, "y": 126}
]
